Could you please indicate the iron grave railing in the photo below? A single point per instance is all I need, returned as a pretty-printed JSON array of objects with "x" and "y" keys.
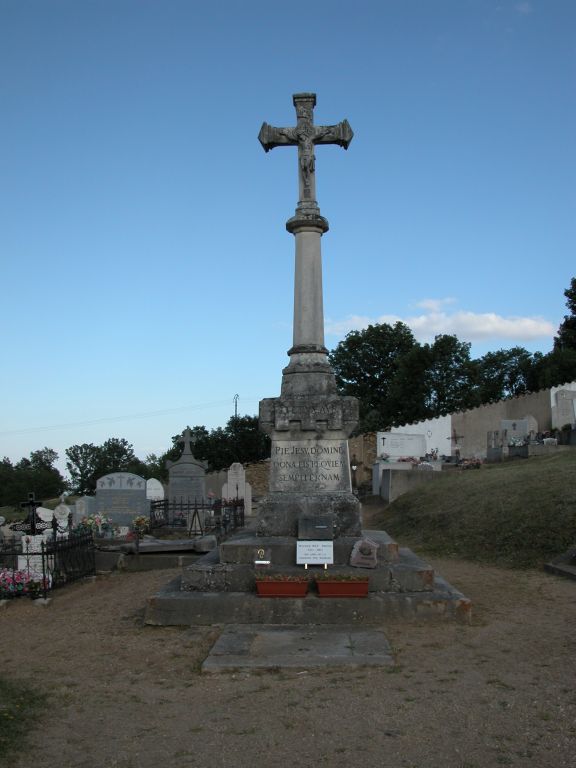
[
  {"x": 52, "y": 563},
  {"x": 198, "y": 517}
]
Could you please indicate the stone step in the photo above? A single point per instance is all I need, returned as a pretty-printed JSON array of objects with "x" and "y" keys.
[
  {"x": 175, "y": 607},
  {"x": 408, "y": 574},
  {"x": 244, "y": 548}
]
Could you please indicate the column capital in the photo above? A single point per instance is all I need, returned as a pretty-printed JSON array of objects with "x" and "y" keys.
[{"x": 303, "y": 220}]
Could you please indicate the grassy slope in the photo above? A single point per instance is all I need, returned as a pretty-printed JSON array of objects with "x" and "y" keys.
[{"x": 520, "y": 513}]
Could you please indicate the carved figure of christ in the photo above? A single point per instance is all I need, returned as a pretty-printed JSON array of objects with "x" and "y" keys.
[{"x": 305, "y": 135}]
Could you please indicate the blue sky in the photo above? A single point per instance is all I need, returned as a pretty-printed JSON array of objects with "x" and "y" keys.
[{"x": 146, "y": 271}]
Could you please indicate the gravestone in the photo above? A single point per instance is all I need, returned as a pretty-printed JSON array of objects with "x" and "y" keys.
[
  {"x": 236, "y": 486},
  {"x": 399, "y": 445},
  {"x": 186, "y": 481},
  {"x": 85, "y": 507},
  {"x": 121, "y": 496},
  {"x": 154, "y": 490}
]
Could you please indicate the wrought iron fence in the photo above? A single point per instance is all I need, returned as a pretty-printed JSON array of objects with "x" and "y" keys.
[
  {"x": 58, "y": 561},
  {"x": 198, "y": 517}
]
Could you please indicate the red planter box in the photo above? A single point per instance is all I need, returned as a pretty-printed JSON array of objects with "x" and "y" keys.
[
  {"x": 342, "y": 588},
  {"x": 282, "y": 588}
]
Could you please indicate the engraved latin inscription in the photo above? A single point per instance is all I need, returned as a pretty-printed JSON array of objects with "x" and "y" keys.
[{"x": 324, "y": 465}]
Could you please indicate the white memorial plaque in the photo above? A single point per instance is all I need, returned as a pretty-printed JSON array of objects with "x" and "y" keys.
[{"x": 315, "y": 552}]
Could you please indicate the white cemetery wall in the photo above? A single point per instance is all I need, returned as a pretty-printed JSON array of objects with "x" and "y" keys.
[{"x": 563, "y": 405}]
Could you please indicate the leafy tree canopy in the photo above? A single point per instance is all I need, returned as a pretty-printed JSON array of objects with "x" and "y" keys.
[
  {"x": 36, "y": 474},
  {"x": 566, "y": 336}
]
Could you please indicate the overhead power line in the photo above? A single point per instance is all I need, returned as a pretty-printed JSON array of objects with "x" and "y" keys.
[{"x": 126, "y": 417}]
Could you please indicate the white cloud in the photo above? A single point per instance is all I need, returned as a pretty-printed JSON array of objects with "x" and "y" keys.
[
  {"x": 523, "y": 8},
  {"x": 434, "y": 305},
  {"x": 467, "y": 326}
]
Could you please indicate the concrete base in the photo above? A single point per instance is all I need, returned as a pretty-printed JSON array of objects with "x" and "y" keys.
[
  {"x": 565, "y": 565},
  {"x": 258, "y": 647},
  {"x": 173, "y": 607},
  {"x": 220, "y": 588}
]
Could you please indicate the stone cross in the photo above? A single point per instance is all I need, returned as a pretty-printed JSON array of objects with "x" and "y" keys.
[
  {"x": 187, "y": 441},
  {"x": 305, "y": 135},
  {"x": 307, "y": 225}
]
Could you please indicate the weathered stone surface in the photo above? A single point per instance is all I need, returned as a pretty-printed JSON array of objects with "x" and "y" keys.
[
  {"x": 279, "y": 513},
  {"x": 174, "y": 607},
  {"x": 316, "y": 527},
  {"x": 270, "y": 647}
]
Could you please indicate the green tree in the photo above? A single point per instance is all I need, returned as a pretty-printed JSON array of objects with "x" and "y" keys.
[
  {"x": 88, "y": 462},
  {"x": 505, "y": 373},
  {"x": 240, "y": 440},
  {"x": 450, "y": 376},
  {"x": 566, "y": 336},
  {"x": 82, "y": 465},
  {"x": 366, "y": 363},
  {"x": 34, "y": 475}
]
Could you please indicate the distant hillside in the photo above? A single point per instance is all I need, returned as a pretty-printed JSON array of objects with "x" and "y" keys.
[{"x": 519, "y": 513}]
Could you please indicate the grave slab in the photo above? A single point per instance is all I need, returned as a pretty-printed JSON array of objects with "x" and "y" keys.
[{"x": 265, "y": 646}]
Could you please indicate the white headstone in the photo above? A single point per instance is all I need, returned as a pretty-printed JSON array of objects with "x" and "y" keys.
[
  {"x": 399, "y": 445},
  {"x": 154, "y": 489},
  {"x": 236, "y": 486}
]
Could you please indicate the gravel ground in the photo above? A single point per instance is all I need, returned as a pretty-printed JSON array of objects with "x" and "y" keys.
[{"x": 123, "y": 695}]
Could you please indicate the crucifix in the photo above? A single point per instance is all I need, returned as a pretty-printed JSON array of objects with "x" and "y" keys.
[
  {"x": 305, "y": 135},
  {"x": 307, "y": 225}
]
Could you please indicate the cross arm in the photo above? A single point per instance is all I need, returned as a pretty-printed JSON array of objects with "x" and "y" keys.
[
  {"x": 271, "y": 137},
  {"x": 340, "y": 134}
]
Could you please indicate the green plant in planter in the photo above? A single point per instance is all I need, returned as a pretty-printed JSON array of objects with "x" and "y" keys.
[
  {"x": 329, "y": 576},
  {"x": 285, "y": 577}
]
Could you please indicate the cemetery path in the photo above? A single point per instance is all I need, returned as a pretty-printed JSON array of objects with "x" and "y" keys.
[{"x": 123, "y": 695}]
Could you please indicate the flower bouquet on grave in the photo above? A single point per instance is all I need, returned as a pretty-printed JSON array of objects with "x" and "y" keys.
[
  {"x": 140, "y": 525},
  {"x": 97, "y": 525},
  {"x": 13, "y": 583},
  {"x": 20, "y": 583},
  {"x": 281, "y": 585},
  {"x": 343, "y": 584}
]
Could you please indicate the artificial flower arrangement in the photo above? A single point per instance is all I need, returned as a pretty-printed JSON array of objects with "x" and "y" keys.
[
  {"x": 97, "y": 525},
  {"x": 141, "y": 525},
  {"x": 19, "y": 583}
]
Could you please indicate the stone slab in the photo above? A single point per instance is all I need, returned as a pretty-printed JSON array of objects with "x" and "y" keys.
[
  {"x": 173, "y": 607},
  {"x": 199, "y": 544},
  {"x": 114, "y": 560},
  {"x": 261, "y": 647},
  {"x": 565, "y": 565}
]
